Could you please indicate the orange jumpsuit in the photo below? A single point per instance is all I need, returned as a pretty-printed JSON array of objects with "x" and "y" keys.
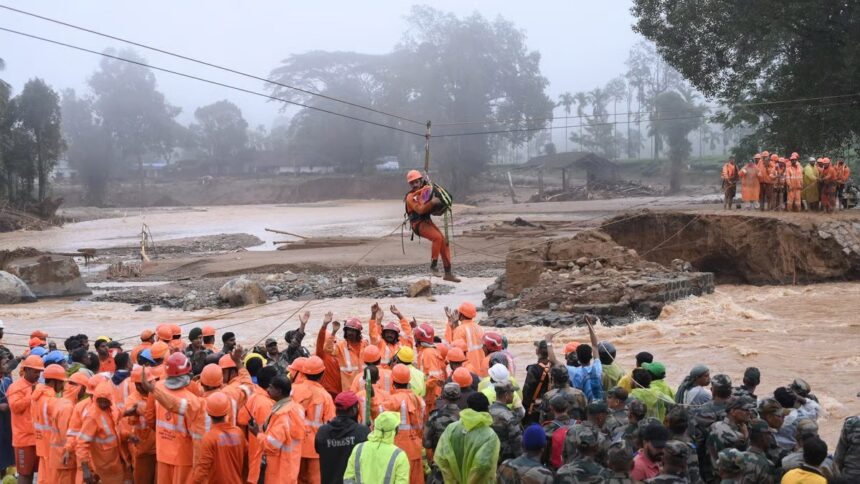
[
  {"x": 765, "y": 172},
  {"x": 142, "y": 452},
  {"x": 177, "y": 414},
  {"x": 389, "y": 350},
  {"x": 222, "y": 454},
  {"x": 98, "y": 445},
  {"x": 80, "y": 410},
  {"x": 18, "y": 395},
  {"x": 318, "y": 408},
  {"x": 383, "y": 385},
  {"x": 331, "y": 380},
  {"x": 282, "y": 439},
  {"x": 348, "y": 356},
  {"x": 433, "y": 365},
  {"x": 470, "y": 333},
  {"x": 410, "y": 433},
  {"x": 730, "y": 178},
  {"x": 828, "y": 187},
  {"x": 39, "y": 408},
  {"x": 61, "y": 472},
  {"x": 238, "y": 391},
  {"x": 258, "y": 407},
  {"x": 419, "y": 215},
  {"x": 107, "y": 365},
  {"x": 377, "y": 405},
  {"x": 750, "y": 186},
  {"x": 794, "y": 182}
]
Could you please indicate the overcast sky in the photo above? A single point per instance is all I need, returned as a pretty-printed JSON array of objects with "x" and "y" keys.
[{"x": 583, "y": 43}]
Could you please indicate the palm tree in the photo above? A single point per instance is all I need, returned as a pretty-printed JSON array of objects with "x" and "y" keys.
[
  {"x": 567, "y": 100},
  {"x": 581, "y": 102}
]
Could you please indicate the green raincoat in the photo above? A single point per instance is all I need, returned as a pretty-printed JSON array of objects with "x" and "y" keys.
[
  {"x": 810, "y": 184},
  {"x": 653, "y": 399},
  {"x": 378, "y": 461},
  {"x": 468, "y": 450},
  {"x": 660, "y": 386}
]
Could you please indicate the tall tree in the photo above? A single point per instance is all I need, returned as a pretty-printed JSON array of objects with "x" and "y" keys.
[
  {"x": 675, "y": 118},
  {"x": 566, "y": 100},
  {"x": 755, "y": 71},
  {"x": 90, "y": 145},
  {"x": 39, "y": 114},
  {"x": 131, "y": 107},
  {"x": 222, "y": 132}
]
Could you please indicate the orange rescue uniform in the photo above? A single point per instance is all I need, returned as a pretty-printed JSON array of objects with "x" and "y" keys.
[
  {"x": 348, "y": 356},
  {"x": 386, "y": 349},
  {"x": 98, "y": 445},
  {"x": 259, "y": 407},
  {"x": 422, "y": 224},
  {"x": 431, "y": 363},
  {"x": 750, "y": 186},
  {"x": 410, "y": 433},
  {"x": 470, "y": 333},
  {"x": 282, "y": 440},
  {"x": 377, "y": 405},
  {"x": 331, "y": 380},
  {"x": 177, "y": 414},
  {"x": 794, "y": 181},
  {"x": 383, "y": 385},
  {"x": 142, "y": 452},
  {"x": 222, "y": 453},
  {"x": 42, "y": 398},
  {"x": 18, "y": 395},
  {"x": 61, "y": 471},
  {"x": 318, "y": 408}
]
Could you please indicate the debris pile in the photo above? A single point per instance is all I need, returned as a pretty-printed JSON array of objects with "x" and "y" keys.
[
  {"x": 559, "y": 281},
  {"x": 598, "y": 191}
]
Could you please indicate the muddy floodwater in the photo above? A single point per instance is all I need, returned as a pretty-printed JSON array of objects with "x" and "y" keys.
[{"x": 800, "y": 331}]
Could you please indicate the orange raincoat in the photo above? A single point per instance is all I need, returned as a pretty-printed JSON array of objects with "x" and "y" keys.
[
  {"x": 222, "y": 453},
  {"x": 282, "y": 440},
  {"x": 410, "y": 433},
  {"x": 750, "y": 185}
]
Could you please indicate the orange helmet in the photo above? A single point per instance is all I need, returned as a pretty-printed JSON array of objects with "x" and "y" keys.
[
  {"x": 104, "y": 390},
  {"x": 34, "y": 342},
  {"x": 757, "y": 156},
  {"x": 217, "y": 404},
  {"x": 492, "y": 341},
  {"x": 146, "y": 334},
  {"x": 226, "y": 362},
  {"x": 774, "y": 157},
  {"x": 177, "y": 365},
  {"x": 208, "y": 331},
  {"x": 570, "y": 347},
  {"x": 298, "y": 364},
  {"x": 314, "y": 366},
  {"x": 424, "y": 333},
  {"x": 401, "y": 374},
  {"x": 158, "y": 350},
  {"x": 825, "y": 160},
  {"x": 456, "y": 355},
  {"x": 212, "y": 376},
  {"x": 468, "y": 310},
  {"x": 80, "y": 379},
  {"x": 175, "y": 330},
  {"x": 55, "y": 372},
  {"x": 34, "y": 362},
  {"x": 413, "y": 175},
  {"x": 94, "y": 381},
  {"x": 443, "y": 348},
  {"x": 765, "y": 154},
  {"x": 795, "y": 156},
  {"x": 462, "y": 377},
  {"x": 164, "y": 332},
  {"x": 370, "y": 354}
]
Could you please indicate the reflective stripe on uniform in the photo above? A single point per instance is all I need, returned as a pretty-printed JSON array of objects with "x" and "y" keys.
[
  {"x": 183, "y": 406},
  {"x": 279, "y": 445},
  {"x": 358, "y": 462},
  {"x": 348, "y": 359},
  {"x": 317, "y": 420},
  {"x": 469, "y": 339},
  {"x": 404, "y": 417},
  {"x": 390, "y": 469}
]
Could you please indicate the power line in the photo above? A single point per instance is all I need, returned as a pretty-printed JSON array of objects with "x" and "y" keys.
[
  {"x": 630, "y": 113},
  {"x": 210, "y": 64},
  {"x": 629, "y": 121},
  {"x": 208, "y": 81}
]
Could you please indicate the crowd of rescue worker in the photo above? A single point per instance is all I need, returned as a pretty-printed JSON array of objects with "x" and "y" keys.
[
  {"x": 773, "y": 182},
  {"x": 397, "y": 404}
]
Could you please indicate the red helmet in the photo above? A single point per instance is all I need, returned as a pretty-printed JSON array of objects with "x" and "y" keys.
[
  {"x": 492, "y": 341},
  {"x": 177, "y": 365},
  {"x": 353, "y": 323},
  {"x": 413, "y": 175},
  {"x": 424, "y": 333},
  {"x": 391, "y": 327}
]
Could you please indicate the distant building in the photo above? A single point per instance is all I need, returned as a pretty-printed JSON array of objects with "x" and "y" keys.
[
  {"x": 387, "y": 163},
  {"x": 597, "y": 168}
]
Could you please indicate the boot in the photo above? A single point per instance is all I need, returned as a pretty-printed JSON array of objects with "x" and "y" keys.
[
  {"x": 434, "y": 267},
  {"x": 449, "y": 276}
]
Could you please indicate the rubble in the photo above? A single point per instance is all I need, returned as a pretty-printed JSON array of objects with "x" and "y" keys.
[
  {"x": 559, "y": 281},
  {"x": 13, "y": 290},
  {"x": 596, "y": 190},
  {"x": 419, "y": 288},
  {"x": 49, "y": 275},
  {"x": 238, "y": 292}
]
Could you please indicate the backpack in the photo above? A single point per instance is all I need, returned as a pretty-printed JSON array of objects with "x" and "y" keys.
[
  {"x": 444, "y": 196},
  {"x": 556, "y": 456}
]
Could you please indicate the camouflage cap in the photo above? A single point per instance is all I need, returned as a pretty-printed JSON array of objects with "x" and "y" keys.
[
  {"x": 559, "y": 402},
  {"x": 740, "y": 403},
  {"x": 586, "y": 435},
  {"x": 617, "y": 393},
  {"x": 806, "y": 426},
  {"x": 759, "y": 426},
  {"x": 451, "y": 391},
  {"x": 730, "y": 460},
  {"x": 721, "y": 381},
  {"x": 597, "y": 406},
  {"x": 769, "y": 406},
  {"x": 800, "y": 386},
  {"x": 676, "y": 448},
  {"x": 753, "y": 375},
  {"x": 637, "y": 408}
]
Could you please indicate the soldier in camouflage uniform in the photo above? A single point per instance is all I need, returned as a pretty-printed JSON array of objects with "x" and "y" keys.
[
  {"x": 597, "y": 411},
  {"x": 636, "y": 411},
  {"x": 806, "y": 429},
  {"x": 847, "y": 457},
  {"x": 584, "y": 468},
  {"x": 733, "y": 431},
  {"x": 439, "y": 420},
  {"x": 772, "y": 412},
  {"x": 752, "y": 378},
  {"x": 674, "y": 469},
  {"x": 505, "y": 423},
  {"x": 730, "y": 466},
  {"x": 619, "y": 461},
  {"x": 680, "y": 423},
  {"x": 757, "y": 467},
  {"x": 616, "y": 400},
  {"x": 558, "y": 404},
  {"x": 705, "y": 416},
  {"x": 561, "y": 386},
  {"x": 527, "y": 468}
]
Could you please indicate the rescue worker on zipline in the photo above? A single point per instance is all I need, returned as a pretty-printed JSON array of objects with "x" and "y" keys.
[{"x": 420, "y": 203}]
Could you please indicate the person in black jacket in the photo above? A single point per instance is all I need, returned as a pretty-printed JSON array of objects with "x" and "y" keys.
[{"x": 335, "y": 440}]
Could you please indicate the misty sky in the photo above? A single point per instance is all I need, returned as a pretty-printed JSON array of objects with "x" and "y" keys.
[{"x": 583, "y": 44}]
